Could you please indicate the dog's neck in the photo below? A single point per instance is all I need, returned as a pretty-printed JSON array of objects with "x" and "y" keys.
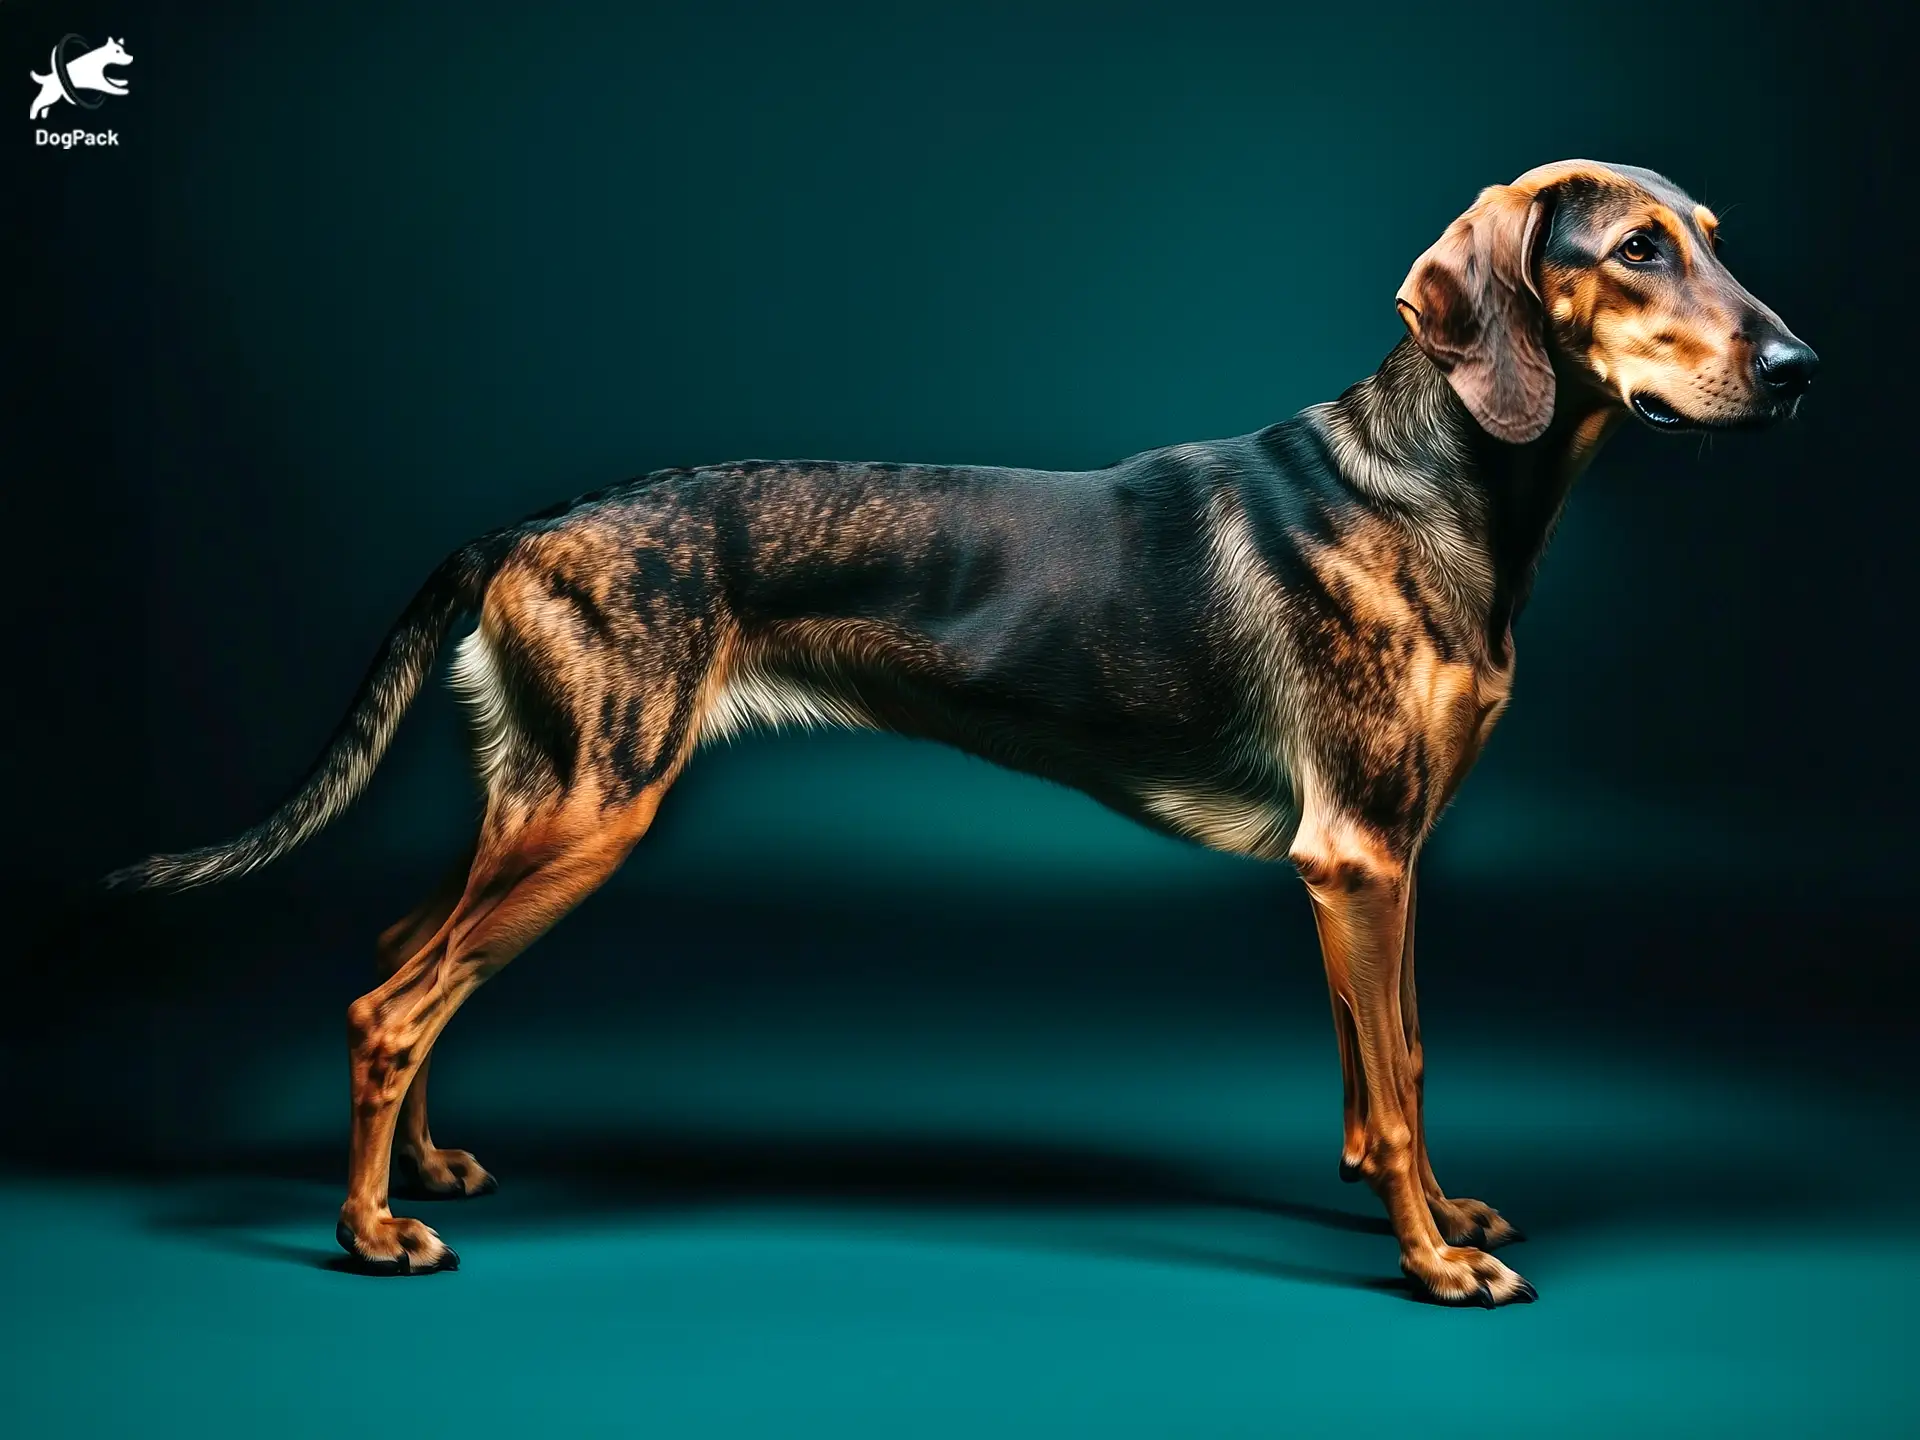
[{"x": 1407, "y": 444}]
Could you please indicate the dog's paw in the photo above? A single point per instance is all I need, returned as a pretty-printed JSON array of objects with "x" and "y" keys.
[
  {"x": 1460, "y": 1276},
  {"x": 393, "y": 1245},
  {"x": 440, "y": 1175},
  {"x": 1474, "y": 1223}
]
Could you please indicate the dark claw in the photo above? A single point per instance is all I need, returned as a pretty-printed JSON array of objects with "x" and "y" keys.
[
  {"x": 487, "y": 1186},
  {"x": 1515, "y": 1235},
  {"x": 400, "y": 1265},
  {"x": 1485, "y": 1297},
  {"x": 1349, "y": 1172},
  {"x": 405, "y": 1266},
  {"x": 1526, "y": 1294}
]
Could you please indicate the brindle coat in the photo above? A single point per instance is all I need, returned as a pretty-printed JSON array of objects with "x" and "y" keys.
[{"x": 1291, "y": 644}]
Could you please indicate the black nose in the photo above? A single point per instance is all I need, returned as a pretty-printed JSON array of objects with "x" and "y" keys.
[{"x": 1785, "y": 366}]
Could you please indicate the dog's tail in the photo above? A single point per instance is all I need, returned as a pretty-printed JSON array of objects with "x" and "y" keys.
[{"x": 359, "y": 741}]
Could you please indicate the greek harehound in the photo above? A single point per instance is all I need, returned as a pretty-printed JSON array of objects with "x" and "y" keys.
[{"x": 1291, "y": 645}]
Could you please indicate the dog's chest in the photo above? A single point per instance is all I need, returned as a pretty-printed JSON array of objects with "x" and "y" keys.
[{"x": 1368, "y": 690}]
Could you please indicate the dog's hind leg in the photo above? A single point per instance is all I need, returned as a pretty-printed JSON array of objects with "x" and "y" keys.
[
  {"x": 598, "y": 651},
  {"x": 425, "y": 1170},
  {"x": 535, "y": 862},
  {"x": 399, "y": 941}
]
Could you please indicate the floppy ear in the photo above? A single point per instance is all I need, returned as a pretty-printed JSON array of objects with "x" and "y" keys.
[{"x": 1473, "y": 305}]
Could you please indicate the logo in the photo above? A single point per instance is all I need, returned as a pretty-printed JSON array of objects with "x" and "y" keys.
[{"x": 78, "y": 76}]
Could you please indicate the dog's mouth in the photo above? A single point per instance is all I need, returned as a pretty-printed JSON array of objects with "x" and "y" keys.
[
  {"x": 1662, "y": 416},
  {"x": 1657, "y": 413}
]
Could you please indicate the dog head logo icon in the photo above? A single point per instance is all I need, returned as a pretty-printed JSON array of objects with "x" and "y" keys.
[{"x": 75, "y": 70}]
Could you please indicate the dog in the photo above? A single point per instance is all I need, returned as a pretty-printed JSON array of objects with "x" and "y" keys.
[
  {"x": 87, "y": 72},
  {"x": 1291, "y": 644}
]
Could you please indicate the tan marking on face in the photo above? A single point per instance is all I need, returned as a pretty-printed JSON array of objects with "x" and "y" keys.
[
  {"x": 1672, "y": 331},
  {"x": 1663, "y": 334},
  {"x": 1574, "y": 293},
  {"x": 1685, "y": 358},
  {"x": 1670, "y": 224}
]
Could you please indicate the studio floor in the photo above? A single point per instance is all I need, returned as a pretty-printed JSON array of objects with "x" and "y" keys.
[{"x": 1112, "y": 1239}]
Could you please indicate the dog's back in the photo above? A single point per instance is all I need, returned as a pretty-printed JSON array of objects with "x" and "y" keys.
[{"x": 1070, "y": 624}]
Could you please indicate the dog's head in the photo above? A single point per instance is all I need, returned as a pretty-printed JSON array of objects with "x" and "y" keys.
[
  {"x": 113, "y": 53},
  {"x": 1604, "y": 277}
]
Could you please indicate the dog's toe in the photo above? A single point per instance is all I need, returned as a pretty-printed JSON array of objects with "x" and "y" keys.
[
  {"x": 1474, "y": 1223},
  {"x": 394, "y": 1245},
  {"x": 1461, "y": 1276},
  {"x": 441, "y": 1175}
]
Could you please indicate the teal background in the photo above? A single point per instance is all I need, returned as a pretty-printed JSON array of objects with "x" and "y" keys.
[{"x": 884, "y": 1092}]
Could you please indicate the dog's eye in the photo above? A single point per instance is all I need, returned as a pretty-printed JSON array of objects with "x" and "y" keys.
[{"x": 1637, "y": 249}]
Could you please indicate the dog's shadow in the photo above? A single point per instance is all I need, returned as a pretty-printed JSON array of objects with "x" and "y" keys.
[{"x": 1056, "y": 1196}]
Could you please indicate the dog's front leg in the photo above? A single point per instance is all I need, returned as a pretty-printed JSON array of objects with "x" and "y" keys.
[
  {"x": 1353, "y": 1089},
  {"x": 1463, "y": 1222},
  {"x": 1362, "y": 895}
]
